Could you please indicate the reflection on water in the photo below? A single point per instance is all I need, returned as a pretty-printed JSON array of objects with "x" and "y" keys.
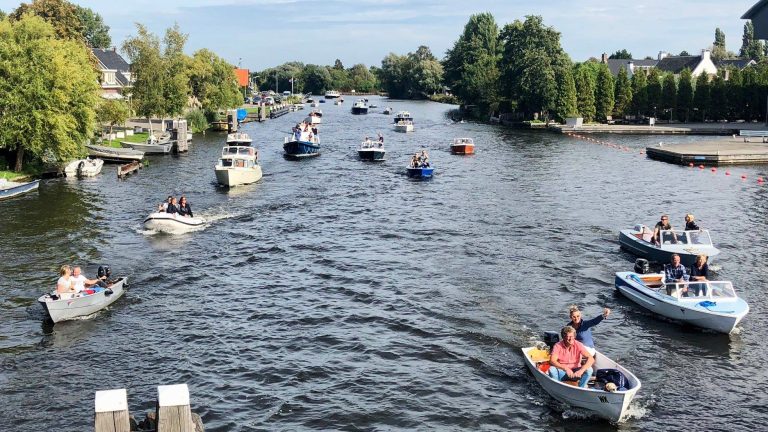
[{"x": 334, "y": 294}]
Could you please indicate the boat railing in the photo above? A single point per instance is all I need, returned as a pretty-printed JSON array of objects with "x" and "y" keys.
[{"x": 701, "y": 290}]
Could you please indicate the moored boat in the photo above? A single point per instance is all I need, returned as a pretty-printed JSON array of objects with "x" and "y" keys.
[
  {"x": 238, "y": 165},
  {"x": 172, "y": 223},
  {"x": 610, "y": 405},
  {"x": 149, "y": 149},
  {"x": 332, "y": 94},
  {"x": 239, "y": 139},
  {"x": 114, "y": 154},
  {"x": 463, "y": 146},
  {"x": 67, "y": 307},
  {"x": 372, "y": 151},
  {"x": 687, "y": 244},
  {"x": 83, "y": 167},
  {"x": 9, "y": 189},
  {"x": 360, "y": 107},
  {"x": 711, "y": 305},
  {"x": 338, "y": 101}
]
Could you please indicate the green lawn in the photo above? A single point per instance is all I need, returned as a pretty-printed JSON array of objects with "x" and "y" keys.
[
  {"x": 137, "y": 138},
  {"x": 10, "y": 175}
]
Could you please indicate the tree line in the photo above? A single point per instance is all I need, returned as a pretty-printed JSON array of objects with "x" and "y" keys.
[{"x": 316, "y": 79}]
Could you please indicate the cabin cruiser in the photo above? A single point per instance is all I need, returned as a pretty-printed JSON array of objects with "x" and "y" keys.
[
  {"x": 360, "y": 107},
  {"x": 238, "y": 165},
  {"x": 332, "y": 94},
  {"x": 463, "y": 146},
  {"x": 239, "y": 139},
  {"x": 403, "y": 122}
]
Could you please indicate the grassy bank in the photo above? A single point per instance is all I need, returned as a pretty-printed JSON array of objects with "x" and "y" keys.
[
  {"x": 136, "y": 138},
  {"x": 25, "y": 173}
]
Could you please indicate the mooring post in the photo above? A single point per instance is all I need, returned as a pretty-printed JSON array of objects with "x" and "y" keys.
[
  {"x": 112, "y": 411},
  {"x": 173, "y": 412}
]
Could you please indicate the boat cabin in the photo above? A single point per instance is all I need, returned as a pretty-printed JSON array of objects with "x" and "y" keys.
[{"x": 238, "y": 157}]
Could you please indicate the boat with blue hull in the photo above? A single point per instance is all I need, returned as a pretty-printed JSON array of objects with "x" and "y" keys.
[
  {"x": 420, "y": 173},
  {"x": 9, "y": 189},
  {"x": 302, "y": 144}
]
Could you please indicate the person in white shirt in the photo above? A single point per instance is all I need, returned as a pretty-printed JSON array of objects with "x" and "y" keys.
[{"x": 81, "y": 281}]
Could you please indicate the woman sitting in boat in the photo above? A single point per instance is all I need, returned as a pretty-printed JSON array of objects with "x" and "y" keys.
[
  {"x": 184, "y": 208},
  {"x": 699, "y": 272},
  {"x": 690, "y": 224},
  {"x": 415, "y": 162},
  {"x": 424, "y": 158},
  {"x": 65, "y": 286},
  {"x": 172, "y": 207},
  {"x": 164, "y": 205},
  {"x": 381, "y": 140},
  {"x": 584, "y": 328}
]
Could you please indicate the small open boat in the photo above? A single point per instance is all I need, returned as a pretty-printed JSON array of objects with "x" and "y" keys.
[
  {"x": 687, "y": 244},
  {"x": 9, "y": 189},
  {"x": 114, "y": 154},
  {"x": 301, "y": 145},
  {"x": 388, "y": 110},
  {"x": 172, "y": 223},
  {"x": 81, "y": 305},
  {"x": 314, "y": 117},
  {"x": 83, "y": 168},
  {"x": 420, "y": 172},
  {"x": 153, "y": 145},
  {"x": 712, "y": 305},
  {"x": 463, "y": 146},
  {"x": 371, "y": 151},
  {"x": 610, "y": 405}
]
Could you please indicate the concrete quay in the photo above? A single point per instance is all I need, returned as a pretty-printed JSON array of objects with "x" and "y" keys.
[
  {"x": 661, "y": 129},
  {"x": 724, "y": 151}
]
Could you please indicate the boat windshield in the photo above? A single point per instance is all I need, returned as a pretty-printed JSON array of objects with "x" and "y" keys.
[
  {"x": 686, "y": 237},
  {"x": 704, "y": 290},
  {"x": 238, "y": 150}
]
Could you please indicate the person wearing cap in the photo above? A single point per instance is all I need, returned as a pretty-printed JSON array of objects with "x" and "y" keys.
[{"x": 565, "y": 360}]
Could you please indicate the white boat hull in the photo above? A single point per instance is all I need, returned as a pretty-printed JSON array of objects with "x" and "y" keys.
[
  {"x": 404, "y": 128},
  {"x": 71, "y": 308},
  {"x": 90, "y": 168},
  {"x": 608, "y": 405},
  {"x": 157, "y": 148},
  {"x": 172, "y": 223},
  {"x": 229, "y": 176}
]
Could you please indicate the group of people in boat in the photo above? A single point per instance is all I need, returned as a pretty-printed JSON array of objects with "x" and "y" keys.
[
  {"x": 369, "y": 143},
  {"x": 73, "y": 283},
  {"x": 420, "y": 160},
  {"x": 676, "y": 273},
  {"x": 180, "y": 207},
  {"x": 571, "y": 358},
  {"x": 664, "y": 225},
  {"x": 305, "y": 132}
]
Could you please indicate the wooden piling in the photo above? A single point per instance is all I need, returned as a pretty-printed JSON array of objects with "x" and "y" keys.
[
  {"x": 129, "y": 168},
  {"x": 112, "y": 411},
  {"x": 173, "y": 412}
]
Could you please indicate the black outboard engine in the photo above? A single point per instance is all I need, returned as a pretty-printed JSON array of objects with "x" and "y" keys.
[
  {"x": 642, "y": 266},
  {"x": 80, "y": 168},
  {"x": 551, "y": 338}
]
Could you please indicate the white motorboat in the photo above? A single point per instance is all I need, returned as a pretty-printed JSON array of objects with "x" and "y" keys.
[
  {"x": 712, "y": 305},
  {"x": 360, "y": 107},
  {"x": 372, "y": 151},
  {"x": 68, "y": 306},
  {"x": 610, "y": 405},
  {"x": 238, "y": 165},
  {"x": 153, "y": 145},
  {"x": 338, "y": 101},
  {"x": 314, "y": 104},
  {"x": 332, "y": 94},
  {"x": 239, "y": 139},
  {"x": 314, "y": 117},
  {"x": 687, "y": 244},
  {"x": 388, "y": 110},
  {"x": 172, "y": 223},
  {"x": 403, "y": 122},
  {"x": 114, "y": 154},
  {"x": 83, "y": 167}
]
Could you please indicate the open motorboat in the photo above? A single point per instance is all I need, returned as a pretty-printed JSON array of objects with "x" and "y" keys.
[
  {"x": 114, "y": 154},
  {"x": 332, "y": 94},
  {"x": 372, "y": 151},
  {"x": 302, "y": 145},
  {"x": 712, "y": 305},
  {"x": 172, "y": 223},
  {"x": 68, "y": 306},
  {"x": 314, "y": 117},
  {"x": 238, "y": 165},
  {"x": 687, "y": 244},
  {"x": 610, "y": 405},
  {"x": 360, "y": 107},
  {"x": 83, "y": 167},
  {"x": 9, "y": 189},
  {"x": 388, "y": 110},
  {"x": 419, "y": 172},
  {"x": 338, "y": 101},
  {"x": 463, "y": 146},
  {"x": 403, "y": 122},
  {"x": 314, "y": 104},
  {"x": 239, "y": 139},
  {"x": 153, "y": 145}
]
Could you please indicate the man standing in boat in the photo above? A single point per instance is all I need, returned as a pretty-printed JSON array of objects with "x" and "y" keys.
[{"x": 565, "y": 361}]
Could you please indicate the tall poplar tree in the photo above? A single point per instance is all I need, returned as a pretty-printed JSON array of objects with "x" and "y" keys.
[
  {"x": 604, "y": 97},
  {"x": 669, "y": 95},
  {"x": 585, "y": 92},
  {"x": 639, "y": 93},
  {"x": 685, "y": 95},
  {"x": 654, "y": 93},
  {"x": 717, "y": 99},
  {"x": 622, "y": 93},
  {"x": 565, "y": 98},
  {"x": 718, "y": 47},
  {"x": 701, "y": 97},
  {"x": 751, "y": 48}
]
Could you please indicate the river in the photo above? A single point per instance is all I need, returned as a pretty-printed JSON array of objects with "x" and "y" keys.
[{"x": 340, "y": 295}]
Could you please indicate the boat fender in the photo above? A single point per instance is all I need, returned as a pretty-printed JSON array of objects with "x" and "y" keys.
[{"x": 108, "y": 292}]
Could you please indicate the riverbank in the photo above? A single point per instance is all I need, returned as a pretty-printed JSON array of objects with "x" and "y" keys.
[{"x": 661, "y": 129}]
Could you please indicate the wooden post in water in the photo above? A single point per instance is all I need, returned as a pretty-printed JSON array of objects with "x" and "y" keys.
[
  {"x": 173, "y": 412},
  {"x": 112, "y": 411}
]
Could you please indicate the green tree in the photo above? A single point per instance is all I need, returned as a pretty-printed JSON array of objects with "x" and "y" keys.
[
  {"x": 622, "y": 54},
  {"x": 339, "y": 79},
  {"x": 585, "y": 92},
  {"x": 701, "y": 97},
  {"x": 733, "y": 95},
  {"x": 361, "y": 78},
  {"x": 395, "y": 76},
  {"x": 604, "y": 97},
  {"x": 623, "y": 94},
  {"x": 338, "y": 65},
  {"x": 176, "y": 83},
  {"x": 717, "y": 99},
  {"x": 565, "y": 104},
  {"x": 95, "y": 32},
  {"x": 539, "y": 78},
  {"x": 212, "y": 81},
  {"x": 61, "y": 14},
  {"x": 316, "y": 79},
  {"x": 653, "y": 91},
  {"x": 669, "y": 95},
  {"x": 750, "y": 47},
  {"x": 48, "y": 93},
  {"x": 685, "y": 94},
  {"x": 751, "y": 93},
  {"x": 684, "y": 53},
  {"x": 112, "y": 112},
  {"x": 427, "y": 73},
  {"x": 639, "y": 93},
  {"x": 718, "y": 47}
]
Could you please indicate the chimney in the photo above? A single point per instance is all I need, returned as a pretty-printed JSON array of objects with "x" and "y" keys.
[
  {"x": 662, "y": 55},
  {"x": 630, "y": 68},
  {"x": 705, "y": 54},
  {"x": 604, "y": 58},
  {"x": 114, "y": 49}
]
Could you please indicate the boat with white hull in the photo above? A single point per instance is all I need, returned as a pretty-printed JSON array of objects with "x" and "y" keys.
[
  {"x": 9, "y": 189},
  {"x": 332, "y": 94},
  {"x": 83, "y": 168},
  {"x": 687, "y": 244},
  {"x": 157, "y": 148},
  {"x": 67, "y": 307},
  {"x": 172, "y": 223},
  {"x": 606, "y": 404},
  {"x": 360, "y": 107},
  {"x": 238, "y": 165},
  {"x": 403, "y": 122},
  {"x": 711, "y": 305},
  {"x": 114, "y": 154},
  {"x": 372, "y": 151}
]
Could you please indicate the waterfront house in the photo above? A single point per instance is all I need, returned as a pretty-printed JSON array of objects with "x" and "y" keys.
[
  {"x": 759, "y": 16},
  {"x": 116, "y": 79},
  {"x": 697, "y": 64},
  {"x": 631, "y": 65}
]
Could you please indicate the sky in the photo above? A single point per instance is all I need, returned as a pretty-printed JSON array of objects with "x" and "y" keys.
[{"x": 257, "y": 34}]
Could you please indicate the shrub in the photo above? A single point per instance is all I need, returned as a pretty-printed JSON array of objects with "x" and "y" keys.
[{"x": 197, "y": 121}]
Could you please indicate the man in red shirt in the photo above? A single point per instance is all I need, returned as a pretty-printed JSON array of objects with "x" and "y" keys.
[{"x": 565, "y": 361}]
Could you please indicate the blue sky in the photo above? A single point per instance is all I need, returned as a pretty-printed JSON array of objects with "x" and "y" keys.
[{"x": 263, "y": 33}]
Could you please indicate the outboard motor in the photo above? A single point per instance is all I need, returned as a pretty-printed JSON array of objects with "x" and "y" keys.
[
  {"x": 642, "y": 266},
  {"x": 80, "y": 168},
  {"x": 551, "y": 338}
]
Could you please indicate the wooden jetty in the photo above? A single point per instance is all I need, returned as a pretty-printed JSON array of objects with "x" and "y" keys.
[
  {"x": 726, "y": 151},
  {"x": 666, "y": 129},
  {"x": 278, "y": 112},
  {"x": 129, "y": 168},
  {"x": 173, "y": 413}
]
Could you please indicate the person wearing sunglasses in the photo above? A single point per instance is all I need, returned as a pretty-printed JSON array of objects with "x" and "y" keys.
[{"x": 662, "y": 225}]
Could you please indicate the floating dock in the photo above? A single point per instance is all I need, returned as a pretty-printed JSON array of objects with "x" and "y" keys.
[{"x": 726, "y": 151}]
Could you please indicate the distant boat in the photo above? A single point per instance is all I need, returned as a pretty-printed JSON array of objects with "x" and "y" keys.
[
  {"x": 332, "y": 94},
  {"x": 371, "y": 151},
  {"x": 83, "y": 168},
  {"x": 9, "y": 189},
  {"x": 360, "y": 107},
  {"x": 403, "y": 122},
  {"x": 338, "y": 101},
  {"x": 238, "y": 165},
  {"x": 114, "y": 154},
  {"x": 463, "y": 146},
  {"x": 388, "y": 110},
  {"x": 239, "y": 139},
  {"x": 220, "y": 125},
  {"x": 153, "y": 145},
  {"x": 62, "y": 309},
  {"x": 302, "y": 145},
  {"x": 314, "y": 117},
  {"x": 322, "y": 101}
]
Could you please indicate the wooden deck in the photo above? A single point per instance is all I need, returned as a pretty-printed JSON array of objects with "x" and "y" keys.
[{"x": 726, "y": 151}]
